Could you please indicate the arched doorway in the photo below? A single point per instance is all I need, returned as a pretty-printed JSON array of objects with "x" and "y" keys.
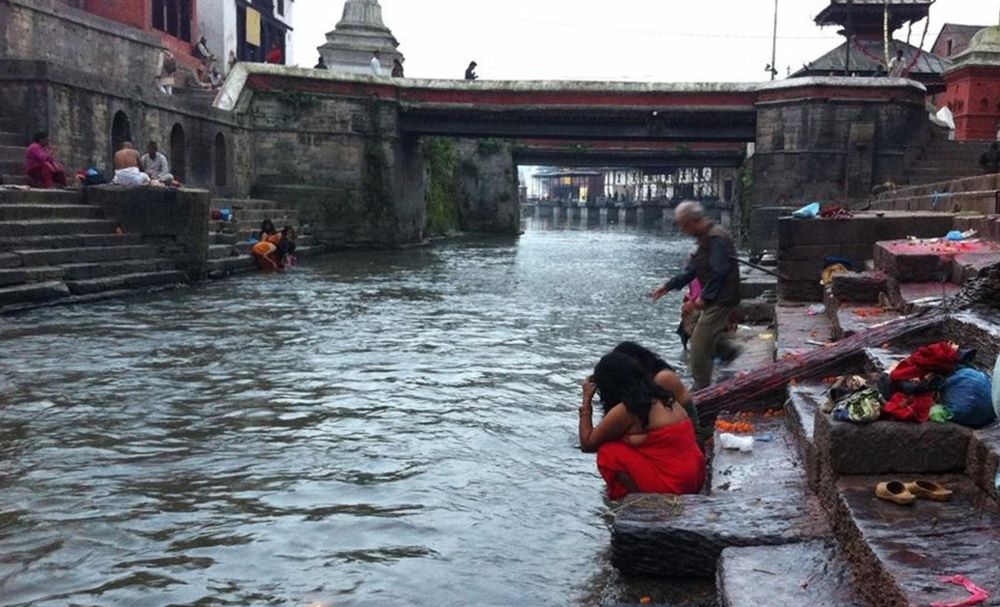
[
  {"x": 221, "y": 161},
  {"x": 178, "y": 153},
  {"x": 121, "y": 131}
]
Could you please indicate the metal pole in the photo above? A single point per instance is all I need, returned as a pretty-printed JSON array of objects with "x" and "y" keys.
[
  {"x": 774, "y": 43},
  {"x": 850, "y": 38}
]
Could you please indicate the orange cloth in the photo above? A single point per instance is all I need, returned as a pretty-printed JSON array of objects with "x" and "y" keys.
[
  {"x": 263, "y": 248},
  {"x": 668, "y": 461}
]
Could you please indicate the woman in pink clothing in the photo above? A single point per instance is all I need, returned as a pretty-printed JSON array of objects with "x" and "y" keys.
[{"x": 40, "y": 165}]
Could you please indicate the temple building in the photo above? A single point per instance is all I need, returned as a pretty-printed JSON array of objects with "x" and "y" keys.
[
  {"x": 357, "y": 36},
  {"x": 862, "y": 23},
  {"x": 954, "y": 39},
  {"x": 973, "y": 93}
]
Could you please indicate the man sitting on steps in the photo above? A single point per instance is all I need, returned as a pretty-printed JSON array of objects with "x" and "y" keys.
[
  {"x": 156, "y": 166},
  {"x": 127, "y": 166}
]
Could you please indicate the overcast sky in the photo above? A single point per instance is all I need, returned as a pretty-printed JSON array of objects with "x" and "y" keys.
[{"x": 643, "y": 40}]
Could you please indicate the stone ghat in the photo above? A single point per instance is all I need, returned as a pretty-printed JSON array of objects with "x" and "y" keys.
[{"x": 797, "y": 522}]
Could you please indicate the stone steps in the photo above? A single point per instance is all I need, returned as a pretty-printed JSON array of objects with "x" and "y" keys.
[
  {"x": 139, "y": 280},
  {"x": 958, "y": 202},
  {"x": 34, "y": 293},
  {"x": 14, "y": 139},
  {"x": 12, "y": 153},
  {"x": 24, "y": 212},
  {"x": 904, "y": 551},
  {"x": 809, "y": 573},
  {"x": 219, "y": 251},
  {"x": 757, "y": 499},
  {"x": 12, "y": 167},
  {"x": 13, "y": 179},
  {"x": 38, "y": 196},
  {"x": 238, "y": 204},
  {"x": 54, "y": 227},
  {"x": 979, "y": 183},
  {"x": 47, "y": 257},
  {"x": 82, "y": 271},
  {"x": 916, "y": 261},
  {"x": 63, "y": 241},
  {"x": 11, "y": 125}
]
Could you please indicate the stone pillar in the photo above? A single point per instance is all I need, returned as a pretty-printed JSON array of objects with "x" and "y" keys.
[
  {"x": 487, "y": 187},
  {"x": 832, "y": 139},
  {"x": 973, "y": 87},
  {"x": 359, "y": 33}
]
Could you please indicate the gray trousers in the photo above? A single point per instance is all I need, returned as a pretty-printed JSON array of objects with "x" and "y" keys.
[{"x": 707, "y": 340}]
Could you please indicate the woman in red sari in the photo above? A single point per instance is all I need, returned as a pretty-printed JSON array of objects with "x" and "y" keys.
[
  {"x": 40, "y": 165},
  {"x": 645, "y": 443}
]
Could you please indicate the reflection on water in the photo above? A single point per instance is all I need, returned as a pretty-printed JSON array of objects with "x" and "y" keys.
[{"x": 391, "y": 427}]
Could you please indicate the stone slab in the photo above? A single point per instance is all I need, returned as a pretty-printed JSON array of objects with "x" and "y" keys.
[
  {"x": 803, "y": 404},
  {"x": 810, "y": 573},
  {"x": 968, "y": 265},
  {"x": 925, "y": 260},
  {"x": 126, "y": 281},
  {"x": 850, "y": 319},
  {"x": 983, "y": 459},
  {"x": 979, "y": 330},
  {"x": 890, "y": 447},
  {"x": 859, "y": 287},
  {"x": 881, "y": 360},
  {"x": 899, "y": 553},
  {"x": 49, "y": 227},
  {"x": 32, "y": 293},
  {"x": 915, "y": 296},
  {"x": 759, "y": 499},
  {"x": 796, "y": 329}
]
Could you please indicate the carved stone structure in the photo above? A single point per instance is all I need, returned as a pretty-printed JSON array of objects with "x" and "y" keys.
[{"x": 360, "y": 32}]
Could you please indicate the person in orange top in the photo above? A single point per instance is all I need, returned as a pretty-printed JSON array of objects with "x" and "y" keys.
[{"x": 645, "y": 442}]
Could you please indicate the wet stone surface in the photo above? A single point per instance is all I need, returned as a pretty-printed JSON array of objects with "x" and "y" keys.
[
  {"x": 891, "y": 447},
  {"x": 902, "y": 551},
  {"x": 810, "y": 573},
  {"x": 758, "y": 499}
]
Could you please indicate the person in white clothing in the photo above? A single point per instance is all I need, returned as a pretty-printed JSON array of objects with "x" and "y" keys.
[
  {"x": 896, "y": 65},
  {"x": 155, "y": 164},
  {"x": 376, "y": 63}
]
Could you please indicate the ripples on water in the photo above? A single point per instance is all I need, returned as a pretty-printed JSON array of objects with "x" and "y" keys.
[{"x": 392, "y": 428}]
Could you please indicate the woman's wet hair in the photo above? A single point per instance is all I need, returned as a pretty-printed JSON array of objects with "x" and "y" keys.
[
  {"x": 650, "y": 361},
  {"x": 267, "y": 227},
  {"x": 620, "y": 380}
]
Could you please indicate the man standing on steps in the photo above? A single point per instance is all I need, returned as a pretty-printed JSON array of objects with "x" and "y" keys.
[{"x": 714, "y": 265}]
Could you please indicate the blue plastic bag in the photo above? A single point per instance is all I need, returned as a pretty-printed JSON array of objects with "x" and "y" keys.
[
  {"x": 809, "y": 211},
  {"x": 967, "y": 393}
]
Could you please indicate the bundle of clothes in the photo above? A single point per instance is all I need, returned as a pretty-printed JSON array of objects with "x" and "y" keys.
[{"x": 937, "y": 382}]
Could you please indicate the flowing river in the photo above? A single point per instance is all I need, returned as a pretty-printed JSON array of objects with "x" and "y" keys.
[{"x": 370, "y": 428}]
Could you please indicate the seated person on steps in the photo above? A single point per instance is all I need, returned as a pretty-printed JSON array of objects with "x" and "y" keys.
[
  {"x": 40, "y": 165},
  {"x": 127, "y": 166},
  {"x": 155, "y": 165}
]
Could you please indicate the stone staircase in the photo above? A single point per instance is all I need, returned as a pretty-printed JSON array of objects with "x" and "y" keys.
[
  {"x": 55, "y": 248},
  {"x": 944, "y": 160},
  {"x": 976, "y": 194},
  {"x": 796, "y": 522},
  {"x": 13, "y": 144},
  {"x": 229, "y": 245}
]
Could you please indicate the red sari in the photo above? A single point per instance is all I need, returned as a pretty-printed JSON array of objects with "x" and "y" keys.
[{"x": 668, "y": 461}]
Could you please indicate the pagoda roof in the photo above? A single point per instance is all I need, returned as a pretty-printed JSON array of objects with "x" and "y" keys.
[
  {"x": 900, "y": 11},
  {"x": 867, "y": 58}
]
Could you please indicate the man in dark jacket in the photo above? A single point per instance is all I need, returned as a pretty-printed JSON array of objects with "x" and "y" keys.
[
  {"x": 990, "y": 159},
  {"x": 714, "y": 265}
]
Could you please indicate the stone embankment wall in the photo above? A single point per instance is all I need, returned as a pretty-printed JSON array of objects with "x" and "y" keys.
[{"x": 79, "y": 77}]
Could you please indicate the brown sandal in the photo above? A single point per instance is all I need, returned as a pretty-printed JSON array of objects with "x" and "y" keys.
[
  {"x": 929, "y": 491},
  {"x": 894, "y": 491}
]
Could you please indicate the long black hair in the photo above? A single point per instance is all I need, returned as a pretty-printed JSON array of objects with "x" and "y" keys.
[
  {"x": 650, "y": 361},
  {"x": 620, "y": 380}
]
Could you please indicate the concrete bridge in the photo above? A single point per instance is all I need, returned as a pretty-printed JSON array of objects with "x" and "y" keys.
[{"x": 355, "y": 139}]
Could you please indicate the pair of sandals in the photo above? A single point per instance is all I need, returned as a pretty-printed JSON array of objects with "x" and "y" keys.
[{"x": 907, "y": 493}]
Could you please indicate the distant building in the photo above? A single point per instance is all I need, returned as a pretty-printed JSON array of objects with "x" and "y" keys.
[
  {"x": 567, "y": 185},
  {"x": 247, "y": 28},
  {"x": 863, "y": 53},
  {"x": 954, "y": 39}
]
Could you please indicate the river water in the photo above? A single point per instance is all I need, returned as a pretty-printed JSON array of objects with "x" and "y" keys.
[{"x": 387, "y": 428}]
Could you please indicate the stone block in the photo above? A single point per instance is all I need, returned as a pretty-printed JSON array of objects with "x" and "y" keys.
[
  {"x": 910, "y": 262},
  {"x": 859, "y": 287},
  {"x": 979, "y": 330},
  {"x": 904, "y": 551},
  {"x": 176, "y": 220},
  {"x": 800, "y": 290},
  {"x": 758, "y": 499},
  {"x": 803, "y": 405},
  {"x": 983, "y": 459},
  {"x": 851, "y": 319},
  {"x": 888, "y": 447},
  {"x": 810, "y": 573}
]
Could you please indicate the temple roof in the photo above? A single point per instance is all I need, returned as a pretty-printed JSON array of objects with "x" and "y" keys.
[
  {"x": 867, "y": 56},
  {"x": 866, "y": 15}
]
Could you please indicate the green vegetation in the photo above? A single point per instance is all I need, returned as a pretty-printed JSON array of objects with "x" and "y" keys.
[
  {"x": 489, "y": 147},
  {"x": 297, "y": 102},
  {"x": 442, "y": 204}
]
